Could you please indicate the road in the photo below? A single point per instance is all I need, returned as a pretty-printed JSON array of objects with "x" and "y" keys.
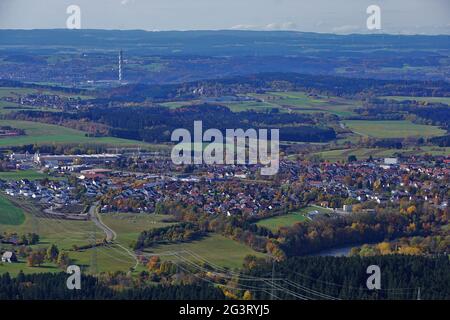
[
  {"x": 95, "y": 217},
  {"x": 110, "y": 233}
]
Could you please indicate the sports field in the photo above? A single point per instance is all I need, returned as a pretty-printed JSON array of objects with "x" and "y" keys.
[{"x": 274, "y": 223}]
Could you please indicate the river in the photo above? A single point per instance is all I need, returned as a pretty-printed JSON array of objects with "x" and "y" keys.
[{"x": 335, "y": 252}]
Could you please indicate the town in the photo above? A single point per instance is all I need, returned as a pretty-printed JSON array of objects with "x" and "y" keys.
[{"x": 226, "y": 189}]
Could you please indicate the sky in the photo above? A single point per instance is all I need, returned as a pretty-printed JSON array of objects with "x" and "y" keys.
[{"x": 330, "y": 16}]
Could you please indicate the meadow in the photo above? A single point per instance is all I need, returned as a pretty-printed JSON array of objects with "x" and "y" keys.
[
  {"x": 303, "y": 103},
  {"x": 41, "y": 133},
  {"x": 128, "y": 226},
  {"x": 298, "y": 102},
  {"x": 9, "y": 213},
  {"x": 392, "y": 129},
  {"x": 11, "y": 92},
  {"x": 64, "y": 233},
  {"x": 214, "y": 249},
  {"x": 69, "y": 233},
  {"x": 22, "y": 174}
]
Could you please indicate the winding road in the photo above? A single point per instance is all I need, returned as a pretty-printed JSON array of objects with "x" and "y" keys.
[
  {"x": 95, "y": 217},
  {"x": 111, "y": 235}
]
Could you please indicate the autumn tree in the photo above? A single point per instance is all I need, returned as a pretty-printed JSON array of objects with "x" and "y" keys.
[
  {"x": 63, "y": 259},
  {"x": 154, "y": 263}
]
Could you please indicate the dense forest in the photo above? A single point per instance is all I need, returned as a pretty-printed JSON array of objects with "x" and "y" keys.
[
  {"x": 294, "y": 278},
  {"x": 53, "y": 287},
  {"x": 345, "y": 278}
]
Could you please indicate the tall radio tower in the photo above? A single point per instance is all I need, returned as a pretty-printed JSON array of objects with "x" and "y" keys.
[{"x": 120, "y": 65}]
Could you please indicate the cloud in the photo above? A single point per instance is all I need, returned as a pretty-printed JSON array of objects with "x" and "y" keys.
[
  {"x": 126, "y": 2},
  {"x": 347, "y": 29},
  {"x": 281, "y": 26},
  {"x": 268, "y": 27}
]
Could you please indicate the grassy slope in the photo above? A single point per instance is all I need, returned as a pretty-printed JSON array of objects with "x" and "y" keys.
[
  {"x": 9, "y": 213},
  {"x": 129, "y": 225},
  {"x": 216, "y": 249},
  {"x": 40, "y": 133}
]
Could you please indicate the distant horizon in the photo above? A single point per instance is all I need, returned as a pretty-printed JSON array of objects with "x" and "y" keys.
[
  {"x": 409, "y": 17},
  {"x": 231, "y": 30}
]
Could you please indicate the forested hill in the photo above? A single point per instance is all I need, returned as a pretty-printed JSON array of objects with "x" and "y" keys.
[
  {"x": 274, "y": 81},
  {"x": 156, "y": 124}
]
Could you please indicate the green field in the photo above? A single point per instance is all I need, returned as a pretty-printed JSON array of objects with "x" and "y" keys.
[
  {"x": 215, "y": 249},
  {"x": 302, "y": 103},
  {"x": 392, "y": 129},
  {"x": 128, "y": 226},
  {"x": 66, "y": 233},
  {"x": 9, "y": 213},
  {"x": 252, "y": 105},
  {"x": 179, "y": 104},
  {"x": 8, "y": 107},
  {"x": 63, "y": 233},
  {"x": 40, "y": 133},
  {"x": 445, "y": 100},
  {"x": 274, "y": 223},
  {"x": 22, "y": 174},
  {"x": 11, "y": 92},
  {"x": 365, "y": 153},
  {"x": 298, "y": 102},
  {"x": 14, "y": 268}
]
